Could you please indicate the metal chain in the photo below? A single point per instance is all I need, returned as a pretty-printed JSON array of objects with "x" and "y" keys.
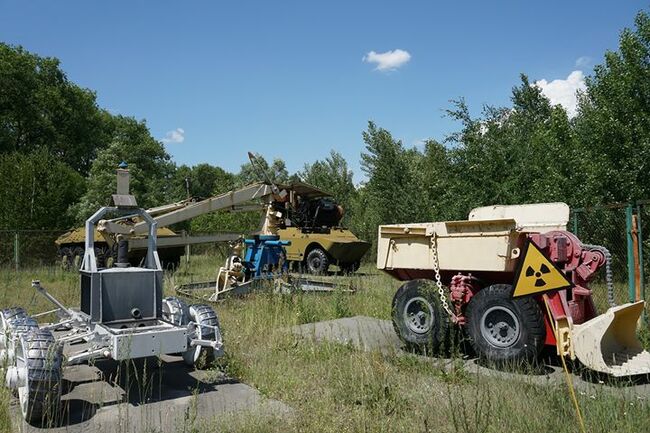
[
  {"x": 609, "y": 280},
  {"x": 436, "y": 269}
]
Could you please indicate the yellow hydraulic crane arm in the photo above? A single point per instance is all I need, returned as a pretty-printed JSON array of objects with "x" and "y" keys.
[{"x": 235, "y": 200}]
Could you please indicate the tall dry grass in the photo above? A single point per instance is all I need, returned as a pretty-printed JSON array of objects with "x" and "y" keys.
[{"x": 334, "y": 387}]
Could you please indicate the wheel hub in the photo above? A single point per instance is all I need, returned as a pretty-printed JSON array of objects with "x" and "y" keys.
[
  {"x": 15, "y": 377},
  {"x": 418, "y": 315},
  {"x": 500, "y": 327}
]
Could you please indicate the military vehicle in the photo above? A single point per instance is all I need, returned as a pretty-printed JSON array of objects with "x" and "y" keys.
[
  {"x": 304, "y": 215},
  {"x": 171, "y": 247},
  {"x": 71, "y": 249},
  {"x": 311, "y": 220}
]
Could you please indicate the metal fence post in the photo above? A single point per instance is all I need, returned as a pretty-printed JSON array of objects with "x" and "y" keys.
[
  {"x": 187, "y": 246},
  {"x": 16, "y": 251},
  {"x": 639, "y": 209},
  {"x": 629, "y": 210}
]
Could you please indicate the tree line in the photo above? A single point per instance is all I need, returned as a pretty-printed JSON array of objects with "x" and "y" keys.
[{"x": 59, "y": 149}]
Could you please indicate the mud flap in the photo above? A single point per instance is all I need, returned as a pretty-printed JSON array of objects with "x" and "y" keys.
[{"x": 608, "y": 343}]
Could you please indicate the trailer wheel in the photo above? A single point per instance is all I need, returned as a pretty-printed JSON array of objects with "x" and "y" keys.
[
  {"x": 207, "y": 328},
  {"x": 317, "y": 261},
  {"x": 39, "y": 361},
  {"x": 418, "y": 317},
  {"x": 505, "y": 330}
]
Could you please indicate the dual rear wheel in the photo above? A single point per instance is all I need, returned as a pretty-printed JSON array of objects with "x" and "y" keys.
[{"x": 500, "y": 329}]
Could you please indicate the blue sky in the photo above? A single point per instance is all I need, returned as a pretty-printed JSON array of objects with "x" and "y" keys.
[{"x": 295, "y": 79}]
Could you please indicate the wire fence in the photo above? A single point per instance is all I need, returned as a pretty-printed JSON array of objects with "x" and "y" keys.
[
  {"x": 610, "y": 226},
  {"x": 28, "y": 248},
  {"x": 605, "y": 226}
]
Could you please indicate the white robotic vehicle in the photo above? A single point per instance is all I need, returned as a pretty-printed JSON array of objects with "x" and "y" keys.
[{"x": 122, "y": 316}]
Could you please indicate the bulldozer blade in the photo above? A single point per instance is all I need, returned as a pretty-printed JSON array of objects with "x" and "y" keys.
[{"x": 608, "y": 343}]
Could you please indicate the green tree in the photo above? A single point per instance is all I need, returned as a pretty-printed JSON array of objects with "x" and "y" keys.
[
  {"x": 36, "y": 190},
  {"x": 334, "y": 176},
  {"x": 388, "y": 195},
  {"x": 434, "y": 180},
  {"x": 203, "y": 180},
  {"x": 613, "y": 124},
  {"x": 206, "y": 181},
  {"x": 149, "y": 164},
  {"x": 41, "y": 109},
  {"x": 277, "y": 171},
  {"x": 521, "y": 154}
]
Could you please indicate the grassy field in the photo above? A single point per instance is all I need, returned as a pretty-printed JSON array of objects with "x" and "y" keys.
[{"x": 335, "y": 388}]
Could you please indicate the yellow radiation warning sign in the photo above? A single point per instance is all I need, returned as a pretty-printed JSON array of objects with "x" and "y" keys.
[{"x": 537, "y": 274}]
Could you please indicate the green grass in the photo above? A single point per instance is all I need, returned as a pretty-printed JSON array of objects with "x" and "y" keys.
[{"x": 336, "y": 388}]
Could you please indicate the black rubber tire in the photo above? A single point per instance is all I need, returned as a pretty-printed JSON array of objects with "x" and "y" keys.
[
  {"x": 202, "y": 315},
  {"x": 16, "y": 321},
  {"x": 100, "y": 257},
  {"x": 350, "y": 268},
  {"x": 65, "y": 258},
  {"x": 44, "y": 362},
  {"x": 317, "y": 261},
  {"x": 430, "y": 339},
  {"x": 176, "y": 311},
  {"x": 110, "y": 256},
  {"x": 9, "y": 314},
  {"x": 527, "y": 343},
  {"x": 76, "y": 258}
]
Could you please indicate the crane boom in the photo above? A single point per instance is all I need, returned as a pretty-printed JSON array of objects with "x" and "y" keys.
[{"x": 231, "y": 200}]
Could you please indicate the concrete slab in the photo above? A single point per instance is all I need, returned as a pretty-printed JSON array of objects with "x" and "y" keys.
[
  {"x": 371, "y": 334},
  {"x": 172, "y": 398},
  {"x": 365, "y": 333},
  {"x": 81, "y": 373}
]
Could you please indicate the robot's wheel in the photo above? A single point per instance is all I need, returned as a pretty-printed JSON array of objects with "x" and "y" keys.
[
  {"x": 38, "y": 366},
  {"x": 13, "y": 323},
  {"x": 175, "y": 311},
  {"x": 206, "y": 321}
]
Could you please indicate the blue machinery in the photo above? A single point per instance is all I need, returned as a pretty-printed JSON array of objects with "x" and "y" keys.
[
  {"x": 265, "y": 258},
  {"x": 263, "y": 265}
]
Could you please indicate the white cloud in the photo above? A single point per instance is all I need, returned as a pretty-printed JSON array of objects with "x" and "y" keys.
[
  {"x": 564, "y": 92},
  {"x": 583, "y": 62},
  {"x": 388, "y": 61},
  {"x": 175, "y": 136},
  {"x": 419, "y": 142}
]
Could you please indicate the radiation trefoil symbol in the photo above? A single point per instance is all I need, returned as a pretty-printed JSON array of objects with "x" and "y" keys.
[
  {"x": 539, "y": 281},
  {"x": 537, "y": 274}
]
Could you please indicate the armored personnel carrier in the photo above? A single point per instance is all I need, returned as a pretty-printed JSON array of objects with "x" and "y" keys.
[{"x": 311, "y": 220}]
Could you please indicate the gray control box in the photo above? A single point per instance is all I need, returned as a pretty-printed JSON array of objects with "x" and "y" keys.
[{"x": 112, "y": 295}]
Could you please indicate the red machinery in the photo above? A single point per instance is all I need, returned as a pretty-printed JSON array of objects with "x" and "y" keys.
[{"x": 517, "y": 281}]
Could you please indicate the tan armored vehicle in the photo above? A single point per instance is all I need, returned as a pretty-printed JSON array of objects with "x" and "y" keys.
[
  {"x": 71, "y": 248},
  {"x": 298, "y": 212},
  {"x": 310, "y": 219},
  {"x": 171, "y": 245}
]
